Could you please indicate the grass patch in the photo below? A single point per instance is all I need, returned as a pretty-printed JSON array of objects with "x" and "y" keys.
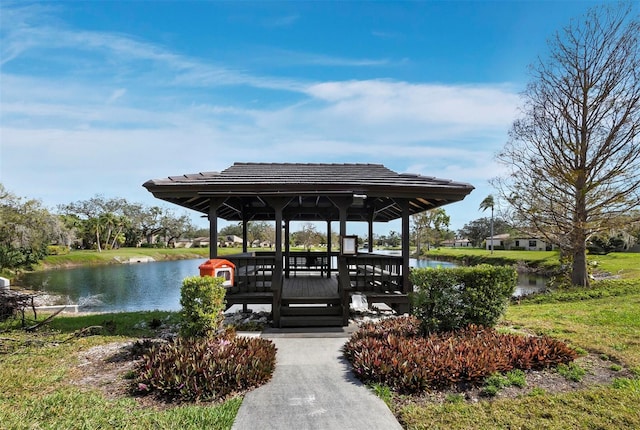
[
  {"x": 602, "y": 408},
  {"x": 35, "y": 375},
  {"x": 497, "y": 381},
  {"x": 571, "y": 372},
  {"x": 547, "y": 260},
  {"x": 623, "y": 264},
  {"x": 86, "y": 257},
  {"x": 383, "y": 392},
  {"x": 69, "y": 408},
  {"x": 597, "y": 290},
  {"x": 608, "y": 325}
]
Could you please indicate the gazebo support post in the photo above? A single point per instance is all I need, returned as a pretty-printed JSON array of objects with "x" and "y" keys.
[
  {"x": 406, "y": 283},
  {"x": 328, "y": 248},
  {"x": 245, "y": 228},
  {"x": 214, "y": 204},
  {"x": 287, "y": 249},
  {"x": 370, "y": 231},
  {"x": 278, "y": 204}
]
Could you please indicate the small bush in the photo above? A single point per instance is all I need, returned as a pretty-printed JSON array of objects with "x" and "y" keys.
[
  {"x": 383, "y": 392},
  {"x": 449, "y": 299},
  {"x": 497, "y": 380},
  {"x": 57, "y": 250},
  {"x": 413, "y": 364},
  {"x": 516, "y": 378},
  {"x": 205, "y": 368},
  {"x": 490, "y": 390},
  {"x": 572, "y": 372},
  {"x": 203, "y": 302}
]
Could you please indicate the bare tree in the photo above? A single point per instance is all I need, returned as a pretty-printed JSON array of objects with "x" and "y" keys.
[{"x": 574, "y": 155}]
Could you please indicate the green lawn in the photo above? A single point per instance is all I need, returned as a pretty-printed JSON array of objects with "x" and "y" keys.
[
  {"x": 37, "y": 392},
  {"x": 608, "y": 325},
  {"x": 624, "y": 264},
  {"x": 113, "y": 256},
  {"x": 544, "y": 259}
]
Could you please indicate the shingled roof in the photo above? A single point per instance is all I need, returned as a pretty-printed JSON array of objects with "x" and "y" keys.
[{"x": 310, "y": 188}]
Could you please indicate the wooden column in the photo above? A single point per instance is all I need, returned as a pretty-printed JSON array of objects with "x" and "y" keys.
[
  {"x": 406, "y": 284},
  {"x": 287, "y": 248},
  {"x": 278, "y": 204},
  {"x": 370, "y": 232},
  {"x": 214, "y": 204},
  {"x": 343, "y": 204},
  {"x": 329, "y": 248},
  {"x": 245, "y": 221}
]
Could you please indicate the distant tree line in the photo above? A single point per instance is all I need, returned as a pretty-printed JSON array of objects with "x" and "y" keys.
[{"x": 29, "y": 231}]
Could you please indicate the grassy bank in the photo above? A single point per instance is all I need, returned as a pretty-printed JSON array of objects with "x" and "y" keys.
[
  {"x": 547, "y": 260},
  {"x": 609, "y": 325},
  {"x": 38, "y": 372},
  {"x": 623, "y": 264},
  {"x": 116, "y": 256},
  {"x": 41, "y": 387}
]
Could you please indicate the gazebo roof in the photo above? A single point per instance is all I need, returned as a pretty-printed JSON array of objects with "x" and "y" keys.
[{"x": 311, "y": 190}]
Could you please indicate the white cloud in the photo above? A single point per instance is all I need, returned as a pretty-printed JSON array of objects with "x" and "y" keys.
[{"x": 115, "y": 122}]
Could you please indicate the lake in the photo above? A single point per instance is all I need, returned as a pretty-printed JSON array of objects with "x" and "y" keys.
[
  {"x": 120, "y": 287},
  {"x": 151, "y": 286}
]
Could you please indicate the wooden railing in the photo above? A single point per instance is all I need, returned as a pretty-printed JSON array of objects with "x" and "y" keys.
[
  {"x": 307, "y": 261},
  {"x": 374, "y": 273},
  {"x": 379, "y": 277},
  {"x": 258, "y": 279}
]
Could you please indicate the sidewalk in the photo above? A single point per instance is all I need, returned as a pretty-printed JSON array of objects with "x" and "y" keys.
[{"x": 312, "y": 388}]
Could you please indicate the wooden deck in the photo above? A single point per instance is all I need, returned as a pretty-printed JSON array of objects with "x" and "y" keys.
[{"x": 310, "y": 285}]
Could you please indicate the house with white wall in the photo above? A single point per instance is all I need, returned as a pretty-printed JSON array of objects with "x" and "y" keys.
[
  {"x": 520, "y": 242},
  {"x": 457, "y": 243}
]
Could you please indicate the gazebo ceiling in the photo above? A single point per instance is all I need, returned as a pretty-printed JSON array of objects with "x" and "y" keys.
[{"x": 310, "y": 190}]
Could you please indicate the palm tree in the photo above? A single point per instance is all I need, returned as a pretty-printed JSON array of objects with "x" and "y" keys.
[{"x": 487, "y": 203}]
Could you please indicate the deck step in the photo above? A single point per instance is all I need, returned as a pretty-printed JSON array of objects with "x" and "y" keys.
[
  {"x": 311, "y": 310},
  {"x": 310, "y": 301},
  {"x": 311, "y": 321}
]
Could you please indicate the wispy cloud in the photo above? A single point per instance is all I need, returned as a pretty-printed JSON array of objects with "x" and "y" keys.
[
  {"x": 285, "y": 58},
  {"x": 280, "y": 21},
  {"x": 127, "y": 110}
]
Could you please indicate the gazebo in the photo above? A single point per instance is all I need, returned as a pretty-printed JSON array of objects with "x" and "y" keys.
[{"x": 315, "y": 192}]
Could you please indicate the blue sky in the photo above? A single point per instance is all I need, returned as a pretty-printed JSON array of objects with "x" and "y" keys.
[{"x": 96, "y": 97}]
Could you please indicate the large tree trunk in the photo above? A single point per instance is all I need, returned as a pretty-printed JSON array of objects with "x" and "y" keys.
[{"x": 579, "y": 275}]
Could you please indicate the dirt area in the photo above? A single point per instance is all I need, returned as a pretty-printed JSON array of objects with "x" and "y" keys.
[
  {"x": 105, "y": 367},
  {"x": 598, "y": 372}
]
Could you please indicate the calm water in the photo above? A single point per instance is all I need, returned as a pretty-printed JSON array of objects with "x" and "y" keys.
[
  {"x": 121, "y": 287},
  {"x": 150, "y": 286}
]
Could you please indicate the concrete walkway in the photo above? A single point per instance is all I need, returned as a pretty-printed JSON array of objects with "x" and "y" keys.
[{"x": 312, "y": 388}]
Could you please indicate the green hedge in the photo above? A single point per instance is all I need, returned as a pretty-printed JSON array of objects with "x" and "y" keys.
[
  {"x": 57, "y": 250},
  {"x": 203, "y": 302},
  {"x": 449, "y": 299}
]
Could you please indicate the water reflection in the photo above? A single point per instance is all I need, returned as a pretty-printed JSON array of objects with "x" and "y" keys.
[
  {"x": 149, "y": 286},
  {"x": 121, "y": 287}
]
